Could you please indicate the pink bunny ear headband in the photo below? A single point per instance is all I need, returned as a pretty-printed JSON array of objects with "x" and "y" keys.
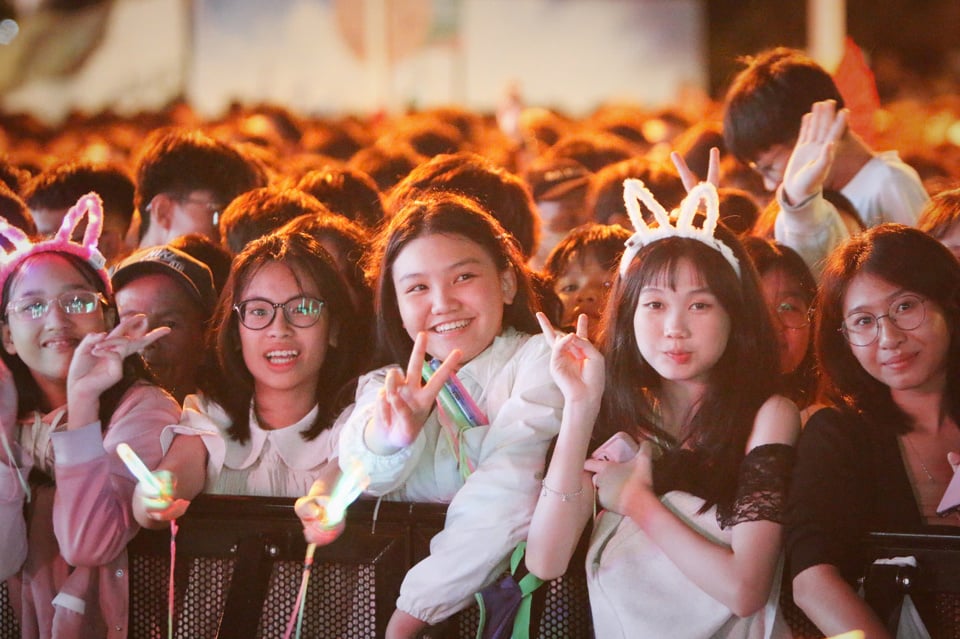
[
  {"x": 89, "y": 205},
  {"x": 634, "y": 192}
]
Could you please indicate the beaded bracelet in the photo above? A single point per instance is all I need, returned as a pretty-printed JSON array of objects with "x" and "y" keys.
[{"x": 562, "y": 496}]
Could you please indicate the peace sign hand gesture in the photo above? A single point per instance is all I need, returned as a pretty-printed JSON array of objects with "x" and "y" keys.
[
  {"x": 97, "y": 364},
  {"x": 576, "y": 365},
  {"x": 405, "y": 402}
]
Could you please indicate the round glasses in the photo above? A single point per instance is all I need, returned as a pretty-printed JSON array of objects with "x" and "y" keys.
[
  {"x": 862, "y": 328},
  {"x": 301, "y": 311},
  {"x": 792, "y": 315},
  {"x": 71, "y": 302}
]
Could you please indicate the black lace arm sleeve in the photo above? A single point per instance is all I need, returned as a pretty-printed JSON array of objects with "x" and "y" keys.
[{"x": 762, "y": 488}]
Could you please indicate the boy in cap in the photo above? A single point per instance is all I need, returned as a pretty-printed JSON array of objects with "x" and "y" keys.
[{"x": 172, "y": 289}]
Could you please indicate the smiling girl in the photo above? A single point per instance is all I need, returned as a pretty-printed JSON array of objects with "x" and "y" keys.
[
  {"x": 886, "y": 339},
  {"x": 451, "y": 285},
  {"x": 285, "y": 347},
  {"x": 72, "y": 388},
  {"x": 688, "y": 542}
]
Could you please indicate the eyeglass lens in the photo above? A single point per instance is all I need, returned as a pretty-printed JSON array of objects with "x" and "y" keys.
[{"x": 257, "y": 314}]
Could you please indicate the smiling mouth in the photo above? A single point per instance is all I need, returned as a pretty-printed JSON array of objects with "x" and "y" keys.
[
  {"x": 282, "y": 357},
  {"x": 61, "y": 343},
  {"x": 446, "y": 327}
]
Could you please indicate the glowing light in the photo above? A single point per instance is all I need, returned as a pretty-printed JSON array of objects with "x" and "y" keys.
[{"x": 8, "y": 30}]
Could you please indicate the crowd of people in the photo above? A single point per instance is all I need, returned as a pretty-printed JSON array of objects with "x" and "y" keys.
[{"x": 720, "y": 344}]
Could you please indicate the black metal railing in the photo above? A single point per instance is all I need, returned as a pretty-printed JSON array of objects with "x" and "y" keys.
[{"x": 239, "y": 565}]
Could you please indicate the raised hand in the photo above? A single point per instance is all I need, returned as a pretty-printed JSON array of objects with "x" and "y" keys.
[
  {"x": 405, "y": 401},
  {"x": 691, "y": 179},
  {"x": 576, "y": 366},
  {"x": 813, "y": 154},
  {"x": 619, "y": 484},
  {"x": 163, "y": 505},
  {"x": 97, "y": 363}
]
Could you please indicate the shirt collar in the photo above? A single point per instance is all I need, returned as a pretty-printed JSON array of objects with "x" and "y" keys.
[{"x": 296, "y": 452}]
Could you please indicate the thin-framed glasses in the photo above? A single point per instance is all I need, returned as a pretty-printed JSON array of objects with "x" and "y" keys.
[
  {"x": 792, "y": 314},
  {"x": 861, "y": 328},
  {"x": 213, "y": 208},
  {"x": 257, "y": 313},
  {"x": 71, "y": 302}
]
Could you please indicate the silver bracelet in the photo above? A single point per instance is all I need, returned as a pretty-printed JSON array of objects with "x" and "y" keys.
[{"x": 563, "y": 496}]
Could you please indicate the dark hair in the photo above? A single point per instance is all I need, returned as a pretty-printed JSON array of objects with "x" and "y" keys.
[
  {"x": 259, "y": 212},
  {"x": 894, "y": 253},
  {"x": 738, "y": 210},
  {"x": 499, "y": 192},
  {"x": 229, "y": 382},
  {"x": 603, "y": 242},
  {"x": 347, "y": 192},
  {"x": 386, "y": 162},
  {"x": 743, "y": 378},
  {"x": 447, "y": 214},
  {"x": 204, "y": 249},
  {"x": 16, "y": 212},
  {"x": 593, "y": 149},
  {"x": 179, "y": 161},
  {"x": 605, "y": 195},
  {"x": 940, "y": 214},
  {"x": 350, "y": 240},
  {"x": 768, "y": 99},
  {"x": 60, "y": 186},
  {"x": 767, "y": 256},
  {"x": 29, "y": 395}
]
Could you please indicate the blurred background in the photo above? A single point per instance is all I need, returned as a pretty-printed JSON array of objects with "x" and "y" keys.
[{"x": 325, "y": 57}]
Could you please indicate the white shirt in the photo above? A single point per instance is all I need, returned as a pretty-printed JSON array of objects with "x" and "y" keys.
[
  {"x": 885, "y": 189},
  {"x": 271, "y": 463},
  {"x": 490, "y": 512}
]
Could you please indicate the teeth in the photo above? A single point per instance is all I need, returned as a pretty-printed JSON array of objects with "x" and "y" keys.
[
  {"x": 281, "y": 356},
  {"x": 450, "y": 326}
]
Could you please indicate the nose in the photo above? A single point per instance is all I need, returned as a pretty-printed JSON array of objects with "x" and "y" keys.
[
  {"x": 278, "y": 324},
  {"x": 442, "y": 300},
  {"x": 587, "y": 295},
  {"x": 675, "y": 324},
  {"x": 770, "y": 184},
  {"x": 890, "y": 335},
  {"x": 56, "y": 316}
]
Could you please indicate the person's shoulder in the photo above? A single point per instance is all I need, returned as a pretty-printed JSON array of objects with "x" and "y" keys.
[
  {"x": 836, "y": 428},
  {"x": 777, "y": 422},
  {"x": 143, "y": 394}
]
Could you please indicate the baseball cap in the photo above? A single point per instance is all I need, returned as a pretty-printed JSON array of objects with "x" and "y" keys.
[
  {"x": 551, "y": 179},
  {"x": 192, "y": 274}
]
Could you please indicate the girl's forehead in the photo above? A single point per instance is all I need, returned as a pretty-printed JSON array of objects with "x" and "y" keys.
[
  {"x": 674, "y": 274},
  {"x": 267, "y": 277},
  {"x": 46, "y": 270}
]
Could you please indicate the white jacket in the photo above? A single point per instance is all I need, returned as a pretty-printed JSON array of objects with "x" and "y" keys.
[{"x": 490, "y": 512}]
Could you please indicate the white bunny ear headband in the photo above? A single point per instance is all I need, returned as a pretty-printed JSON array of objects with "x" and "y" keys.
[
  {"x": 635, "y": 192},
  {"x": 90, "y": 206}
]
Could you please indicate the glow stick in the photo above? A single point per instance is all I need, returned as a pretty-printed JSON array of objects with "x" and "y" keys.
[
  {"x": 137, "y": 468},
  {"x": 462, "y": 397},
  {"x": 345, "y": 491},
  {"x": 447, "y": 401}
]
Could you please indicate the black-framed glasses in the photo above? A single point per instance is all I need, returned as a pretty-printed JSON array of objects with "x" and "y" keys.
[
  {"x": 257, "y": 313},
  {"x": 862, "y": 328},
  {"x": 71, "y": 302},
  {"x": 792, "y": 314}
]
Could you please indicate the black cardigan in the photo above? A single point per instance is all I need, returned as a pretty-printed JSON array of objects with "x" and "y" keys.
[{"x": 849, "y": 479}]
